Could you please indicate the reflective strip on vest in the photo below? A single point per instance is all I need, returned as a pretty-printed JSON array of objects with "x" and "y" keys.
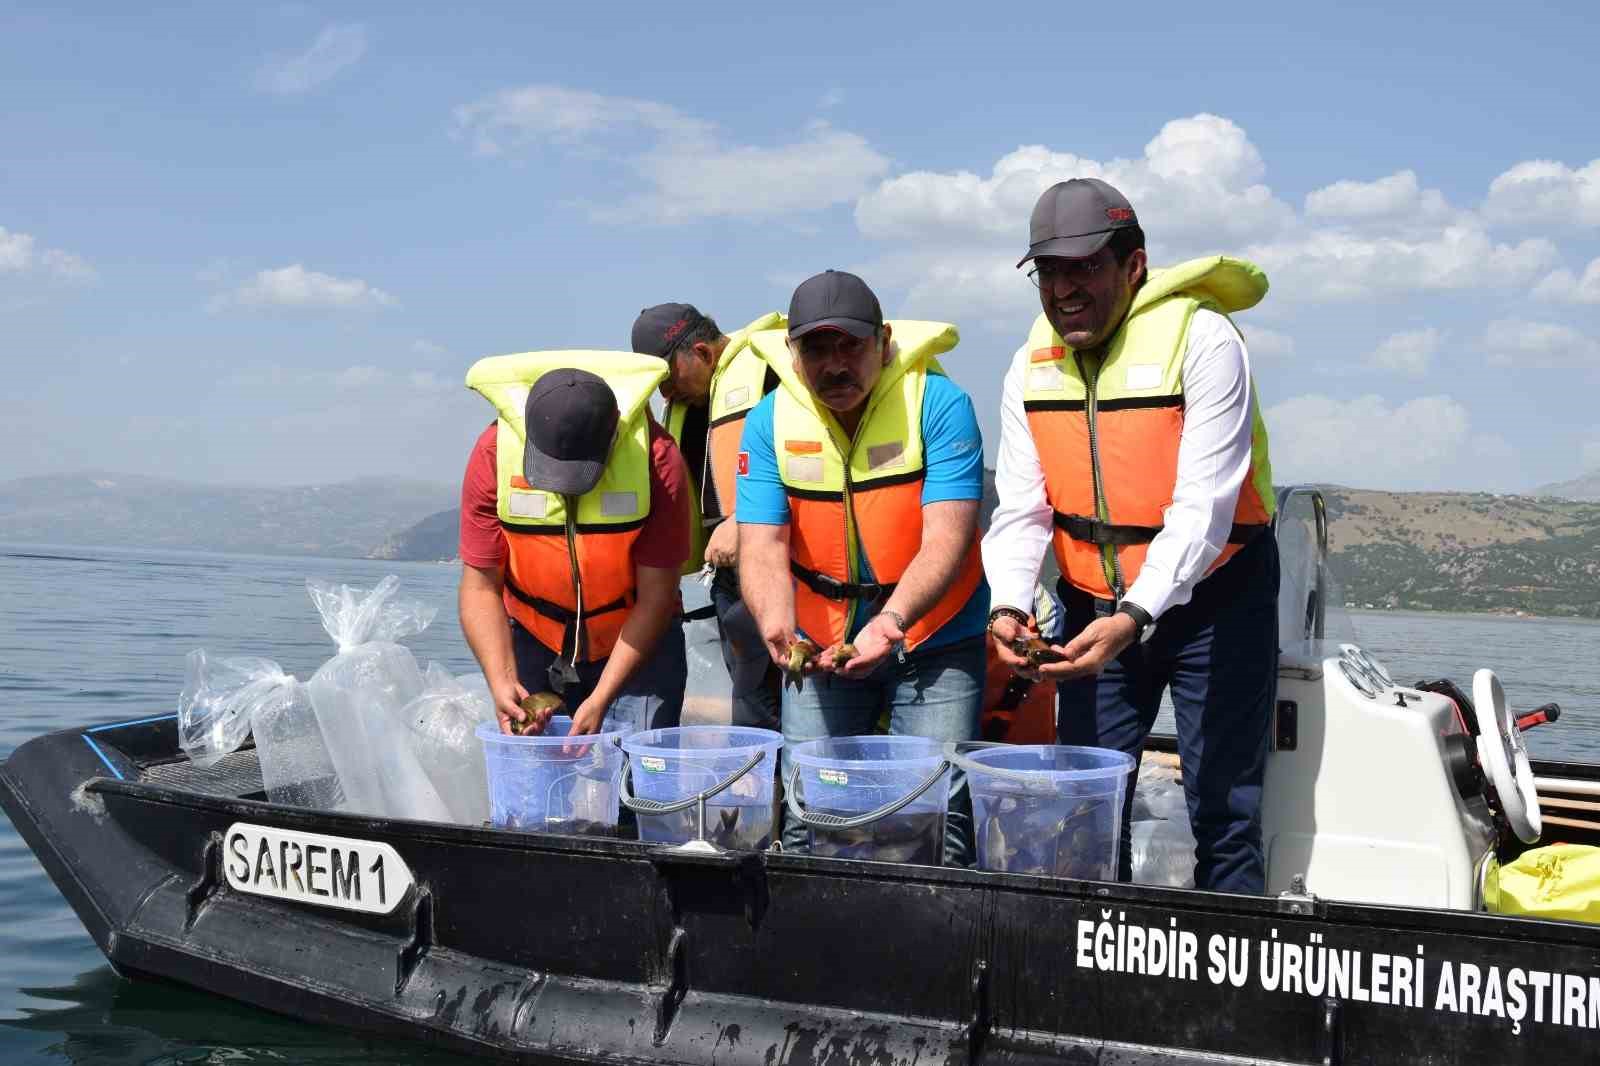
[
  {"x": 1132, "y": 397},
  {"x": 562, "y": 569},
  {"x": 863, "y": 494}
]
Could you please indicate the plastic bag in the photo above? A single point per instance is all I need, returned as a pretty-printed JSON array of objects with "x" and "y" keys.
[
  {"x": 214, "y": 707},
  {"x": 1163, "y": 853},
  {"x": 1163, "y": 842},
  {"x": 360, "y": 696},
  {"x": 441, "y": 724},
  {"x": 224, "y": 700}
]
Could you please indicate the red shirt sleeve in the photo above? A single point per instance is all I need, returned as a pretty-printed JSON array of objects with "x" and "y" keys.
[
  {"x": 664, "y": 541},
  {"x": 483, "y": 542}
]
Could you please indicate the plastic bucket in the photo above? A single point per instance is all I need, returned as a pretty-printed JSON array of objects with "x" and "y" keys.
[
  {"x": 672, "y": 765},
  {"x": 880, "y": 786},
  {"x": 1048, "y": 809},
  {"x": 553, "y": 783}
]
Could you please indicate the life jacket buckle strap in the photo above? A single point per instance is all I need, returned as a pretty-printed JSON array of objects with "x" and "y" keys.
[
  {"x": 1093, "y": 531},
  {"x": 833, "y": 589},
  {"x": 554, "y": 611}
]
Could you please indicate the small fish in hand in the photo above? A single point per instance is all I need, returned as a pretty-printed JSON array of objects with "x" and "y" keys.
[
  {"x": 535, "y": 707},
  {"x": 1031, "y": 647},
  {"x": 801, "y": 653}
]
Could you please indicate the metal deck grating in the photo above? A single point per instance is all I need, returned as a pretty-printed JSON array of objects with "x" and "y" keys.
[{"x": 237, "y": 774}]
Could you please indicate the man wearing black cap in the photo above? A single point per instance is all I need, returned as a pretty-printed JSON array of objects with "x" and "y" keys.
[
  {"x": 1131, "y": 441},
  {"x": 859, "y": 486},
  {"x": 714, "y": 380},
  {"x": 574, "y": 526}
]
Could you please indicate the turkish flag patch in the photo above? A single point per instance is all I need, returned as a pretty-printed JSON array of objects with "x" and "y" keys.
[{"x": 744, "y": 463}]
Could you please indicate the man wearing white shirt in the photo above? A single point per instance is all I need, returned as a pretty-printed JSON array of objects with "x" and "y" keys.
[{"x": 1132, "y": 443}]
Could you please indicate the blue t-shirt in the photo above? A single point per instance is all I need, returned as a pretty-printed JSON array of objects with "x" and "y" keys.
[{"x": 952, "y": 448}]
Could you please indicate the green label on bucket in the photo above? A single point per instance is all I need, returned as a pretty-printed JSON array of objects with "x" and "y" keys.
[
  {"x": 653, "y": 764},
  {"x": 833, "y": 777}
]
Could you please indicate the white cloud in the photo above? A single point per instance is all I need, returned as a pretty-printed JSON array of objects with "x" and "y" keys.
[
  {"x": 1331, "y": 264},
  {"x": 295, "y": 286},
  {"x": 1195, "y": 185},
  {"x": 1267, "y": 343},
  {"x": 335, "y": 49},
  {"x": 689, "y": 169},
  {"x": 1407, "y": 352},
  {"x": 1563, "y": 286},
  {"x": 1396, "y": 197},
  {"x": 516, "y": 118},
  {"x": 423, "y": 346},
  {"x": 1365, "y": 441},
  {"x": 20, "y": 253},
  {"x": 1545, "y": 191},
  {"x": 1539, "y": 345}
]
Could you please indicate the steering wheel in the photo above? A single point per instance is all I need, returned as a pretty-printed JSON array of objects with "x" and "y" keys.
[{"x": 1505, "y": 757}]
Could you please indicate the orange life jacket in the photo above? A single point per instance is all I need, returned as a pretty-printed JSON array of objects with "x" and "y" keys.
[
  {"x": 1107, "y": 428},
  {"x": 864, "y": 491},
  {"x": 569, "y": 574}
]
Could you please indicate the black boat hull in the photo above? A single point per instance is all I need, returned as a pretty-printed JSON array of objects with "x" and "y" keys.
[{"x": 539, "y": 947}]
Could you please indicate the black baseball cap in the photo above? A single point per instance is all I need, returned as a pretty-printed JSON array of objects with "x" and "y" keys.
[
  {"x": 834, "y": 299},
  {"x": 570, "y": 418},
  {"x": 1074, "y": 219},
  {"x": 658, "y": 329}
]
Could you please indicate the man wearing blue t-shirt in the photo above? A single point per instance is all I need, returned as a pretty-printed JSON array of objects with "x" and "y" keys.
[{"x": 859, "y": 484}]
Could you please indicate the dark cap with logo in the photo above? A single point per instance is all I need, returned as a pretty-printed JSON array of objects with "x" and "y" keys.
[
  {"x": 1074, "y": 219},
  {"x": 834, "y": 299},
  {"x": 658, "y": 329},
  {"x": 571, "y": 418}
]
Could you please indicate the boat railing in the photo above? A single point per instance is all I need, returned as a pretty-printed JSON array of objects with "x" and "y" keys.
[{"x": 1314, "y": 614}]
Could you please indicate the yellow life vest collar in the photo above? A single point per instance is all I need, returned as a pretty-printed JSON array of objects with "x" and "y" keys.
[
  {"x": 1219, "y": 282},
  {"x": 506, "y": 380},
  {"x": 917, "y": 345}
]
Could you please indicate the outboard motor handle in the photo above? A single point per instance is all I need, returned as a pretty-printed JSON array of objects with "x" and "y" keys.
[{"x": 1539, "y": 716}]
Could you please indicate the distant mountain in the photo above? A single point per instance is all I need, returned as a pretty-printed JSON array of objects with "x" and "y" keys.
[
  {"x": 437, "y": 536},
  {"x": 1451, "y": 551},
  {"x": 1584, "y": 487},
  {"x": 347, "y": 519},
  {"x": 433, "y": 539},
  {"x": 1442, "y": 551}
]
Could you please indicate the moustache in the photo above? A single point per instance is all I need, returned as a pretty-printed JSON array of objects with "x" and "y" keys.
[{"x": 837, "y": 381}]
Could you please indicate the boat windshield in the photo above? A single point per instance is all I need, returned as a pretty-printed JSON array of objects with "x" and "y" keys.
[{"x": 1312, "y": 617}]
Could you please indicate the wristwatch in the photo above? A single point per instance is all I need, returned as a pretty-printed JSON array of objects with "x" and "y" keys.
[{"x": 1144, "y": 627}]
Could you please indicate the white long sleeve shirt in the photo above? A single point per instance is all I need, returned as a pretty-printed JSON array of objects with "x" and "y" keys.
[{"x": 1213, "y": 460}]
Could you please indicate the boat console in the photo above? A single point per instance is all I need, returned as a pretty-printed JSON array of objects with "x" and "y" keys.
[{"x": 1376, "y": 792}]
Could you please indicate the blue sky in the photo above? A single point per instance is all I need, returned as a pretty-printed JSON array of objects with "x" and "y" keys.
[{"x": 263, "y": 245}]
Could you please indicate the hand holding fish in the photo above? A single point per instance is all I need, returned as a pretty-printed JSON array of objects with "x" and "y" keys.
[
  {"x": 1092, "y": 649},
  {"x": 876, "y": 641}
]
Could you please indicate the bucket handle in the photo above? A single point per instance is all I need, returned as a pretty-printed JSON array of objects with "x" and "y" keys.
[
  {"x": 1025, "y": 781},
  {"x": 823, "y": 820},
  {"x": 698, "y": 800}
]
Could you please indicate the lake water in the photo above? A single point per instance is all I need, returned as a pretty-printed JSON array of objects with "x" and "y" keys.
[{"x": 99, "y": 635}]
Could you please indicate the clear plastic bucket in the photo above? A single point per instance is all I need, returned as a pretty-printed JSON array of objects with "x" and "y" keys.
[
  {"x": 553, "y": 783},
  {"x": 1048, "y": 809},
  {"x": 668, "y": 765},
  {"x": 852, "y": 776}
]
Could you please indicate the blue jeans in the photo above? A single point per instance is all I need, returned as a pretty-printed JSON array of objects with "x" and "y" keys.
[
  {"x": 935, "y": 693},
  {"x": 652, "y": 698},
  {"x": 1218, "y": 654}
]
